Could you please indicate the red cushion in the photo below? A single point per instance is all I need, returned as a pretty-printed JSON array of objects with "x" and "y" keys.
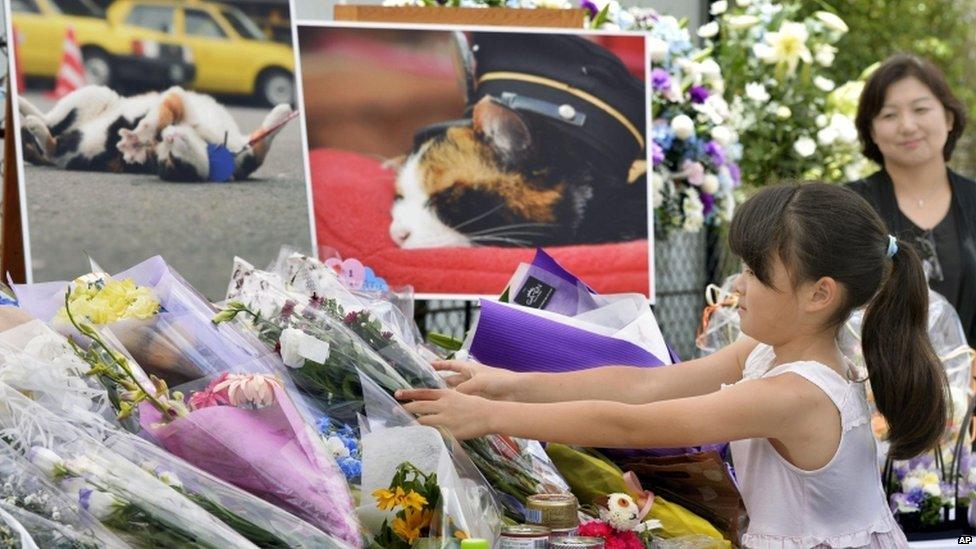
[{"x": 352, "y": 196}]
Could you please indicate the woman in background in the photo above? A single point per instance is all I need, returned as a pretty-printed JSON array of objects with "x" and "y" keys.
[{"x": 909, "y": 122}]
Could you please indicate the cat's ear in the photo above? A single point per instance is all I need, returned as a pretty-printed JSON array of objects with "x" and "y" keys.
[
  {"x": 394, "y": 163},
  {"x": 503, "y": 129}
]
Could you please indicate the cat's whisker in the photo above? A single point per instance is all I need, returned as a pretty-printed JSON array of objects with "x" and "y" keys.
[
  {"x": 517, "y": 242},
  {"x": 476, "y": 218},
  {"x": 503, "y": 228}
]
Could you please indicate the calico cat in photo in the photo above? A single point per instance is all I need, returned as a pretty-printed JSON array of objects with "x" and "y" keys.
[
  {"x": 95, "y": 129},
  {"x": 508, "y": 179}
]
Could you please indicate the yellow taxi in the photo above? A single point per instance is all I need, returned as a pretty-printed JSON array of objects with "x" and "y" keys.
[
  {"x": 231, "y": 54},
  {"x": 110, "y": 58}
]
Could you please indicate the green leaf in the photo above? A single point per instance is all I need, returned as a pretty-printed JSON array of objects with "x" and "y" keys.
[{"x": 444, "y": 341}]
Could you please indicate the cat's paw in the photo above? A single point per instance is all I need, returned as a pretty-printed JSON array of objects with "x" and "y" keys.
[
  {"x": 35, "y": 126},
  {"x": 133, "y": 149},
  {"x": 277, "y": 115}
]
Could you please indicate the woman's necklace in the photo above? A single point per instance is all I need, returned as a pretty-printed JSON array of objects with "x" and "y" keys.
[{"x": 920, "y": 202}]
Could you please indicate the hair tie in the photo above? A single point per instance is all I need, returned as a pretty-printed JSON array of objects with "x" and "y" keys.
[{"x": 892, "y": 246}]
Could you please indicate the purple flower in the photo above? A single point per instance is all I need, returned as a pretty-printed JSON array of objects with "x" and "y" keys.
[
  {"x": 288, "y": 308},
  {"x": 657, "y": 153},
  {"x": 735, "y": 173},
  {"x": 84, "y": 498},
  {"x": 589, "y": 6},
  {"x": 708, "y": 203},
  {"x": 660, "y": 80},
  {"x": 698, "y": 94},
  {"x": 915, "y": 497},
  {"x": 714, "y": 150}
]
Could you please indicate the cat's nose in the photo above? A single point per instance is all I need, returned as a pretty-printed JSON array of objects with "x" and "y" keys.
[{"x": 400, "y": 235}]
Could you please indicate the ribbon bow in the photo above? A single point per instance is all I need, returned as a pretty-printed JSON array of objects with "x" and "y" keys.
[{"x": 643, "y": 498}]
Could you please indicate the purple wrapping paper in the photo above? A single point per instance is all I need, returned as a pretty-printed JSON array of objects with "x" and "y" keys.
[
  {"x": 523, "y": 342},
  {"x": 266, "y": 452}
]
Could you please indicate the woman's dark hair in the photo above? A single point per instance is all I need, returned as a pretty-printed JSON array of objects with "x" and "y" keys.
[
  {"x": 820, "y": 230},
  {"x": 894, "y": 69}
]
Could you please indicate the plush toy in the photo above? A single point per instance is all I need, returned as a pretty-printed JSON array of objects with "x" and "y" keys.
[{"x": 622, "y": 512}]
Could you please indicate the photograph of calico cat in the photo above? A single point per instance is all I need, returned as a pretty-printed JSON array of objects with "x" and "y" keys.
[
  {"x": 508, "y": 179},
  {"x": 95, "y": 129}
]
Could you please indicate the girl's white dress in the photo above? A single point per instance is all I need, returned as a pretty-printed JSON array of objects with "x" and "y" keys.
[{"x": 842, "y": 504}]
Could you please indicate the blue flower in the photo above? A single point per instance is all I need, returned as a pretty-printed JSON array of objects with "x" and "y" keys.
[
  {"x": 663, "y": 136},
  {"x": 915, "y": 497},
  {"x": 323, "y": 424},
  {"x": 350, "y": 443},
  {"x": 352, "y": 468}
]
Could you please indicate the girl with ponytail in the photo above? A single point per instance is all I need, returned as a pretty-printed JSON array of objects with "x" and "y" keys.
[{"x": 783, "y": 394}]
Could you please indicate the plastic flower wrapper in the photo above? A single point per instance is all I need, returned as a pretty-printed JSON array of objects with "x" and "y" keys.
[
  {"x": 466, "y": 507},
  {"x": 66, "y": 394},
  {"x": 354, "y": 286},
  {"x": 329, "y": 375},
  {"x": 720, "y": 319},
  {"x": 46, "y": 533},
  {"x": 25, "y": 487},
  {"x": 183, "y": 329},
  {"x": 949, "y": 342},
  {"x": 245, "y": 429},
  {"x": 126, "y": 499},
  {"x": 13, "y": 533}
]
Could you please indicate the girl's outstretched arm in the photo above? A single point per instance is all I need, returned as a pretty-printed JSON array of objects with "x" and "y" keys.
[
  {"x": 764, "y": 408},
  {"x": 615, "y": 383}
]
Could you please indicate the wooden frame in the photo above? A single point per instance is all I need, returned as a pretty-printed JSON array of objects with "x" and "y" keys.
[
  {"x": 12, "y": 235},
  {"x": 550, "y": 18}
]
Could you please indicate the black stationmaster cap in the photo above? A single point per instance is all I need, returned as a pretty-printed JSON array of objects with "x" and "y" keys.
[{"x": 584, "y": 88}]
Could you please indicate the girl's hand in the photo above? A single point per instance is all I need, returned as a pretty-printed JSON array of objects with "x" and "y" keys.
[
  {"x": 465, "y": 416},
  {"x": 472, "y": 378}
]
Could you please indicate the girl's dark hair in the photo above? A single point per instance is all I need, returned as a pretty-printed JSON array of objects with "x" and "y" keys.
[
  {"x": 894, "y": 69},
  {"x": 820, "y": 230}
]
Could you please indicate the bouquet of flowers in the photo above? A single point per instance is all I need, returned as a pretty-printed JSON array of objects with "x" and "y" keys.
[
  {"x": 423, "y": 481},
  {"x": 793, "y": 121},
  {"x": 237, "y": 410},
  {"x": 64, "y": 391},
  {"x": 24, "y": 488},
  {"x": 328, "y": 347},
  {"x": 138, "y": 507},
  {"x": 694, "y": 148}
]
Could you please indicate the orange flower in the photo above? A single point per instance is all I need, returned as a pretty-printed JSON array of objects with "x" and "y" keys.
[
  {"x": 413, "y": 500},
  {"x": 386, "y": 500},
  {"x": 460, "y": 534},
  {"x": 413, "y": 522}
]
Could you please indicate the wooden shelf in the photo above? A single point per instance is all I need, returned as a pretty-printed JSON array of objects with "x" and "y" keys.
[{"x": 508, "y": 17}]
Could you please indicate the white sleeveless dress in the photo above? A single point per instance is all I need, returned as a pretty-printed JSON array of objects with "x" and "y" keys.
[{"x": 842, "y": 504}]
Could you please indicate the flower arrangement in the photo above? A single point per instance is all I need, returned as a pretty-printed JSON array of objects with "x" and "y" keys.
[
  {"x": 414, "y": 497},
  {"x": 793, "y": 121},
  {"x": 694, "y": 149},
  {"x": 918, "y": 489}
]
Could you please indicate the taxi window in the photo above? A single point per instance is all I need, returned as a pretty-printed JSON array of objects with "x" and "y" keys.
[
  {"x": 158, "y": 18},
  {"x": 199, "y": 23}
]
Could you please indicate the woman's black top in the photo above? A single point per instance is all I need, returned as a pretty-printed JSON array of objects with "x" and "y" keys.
[{"x": 949, "y": 247}]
